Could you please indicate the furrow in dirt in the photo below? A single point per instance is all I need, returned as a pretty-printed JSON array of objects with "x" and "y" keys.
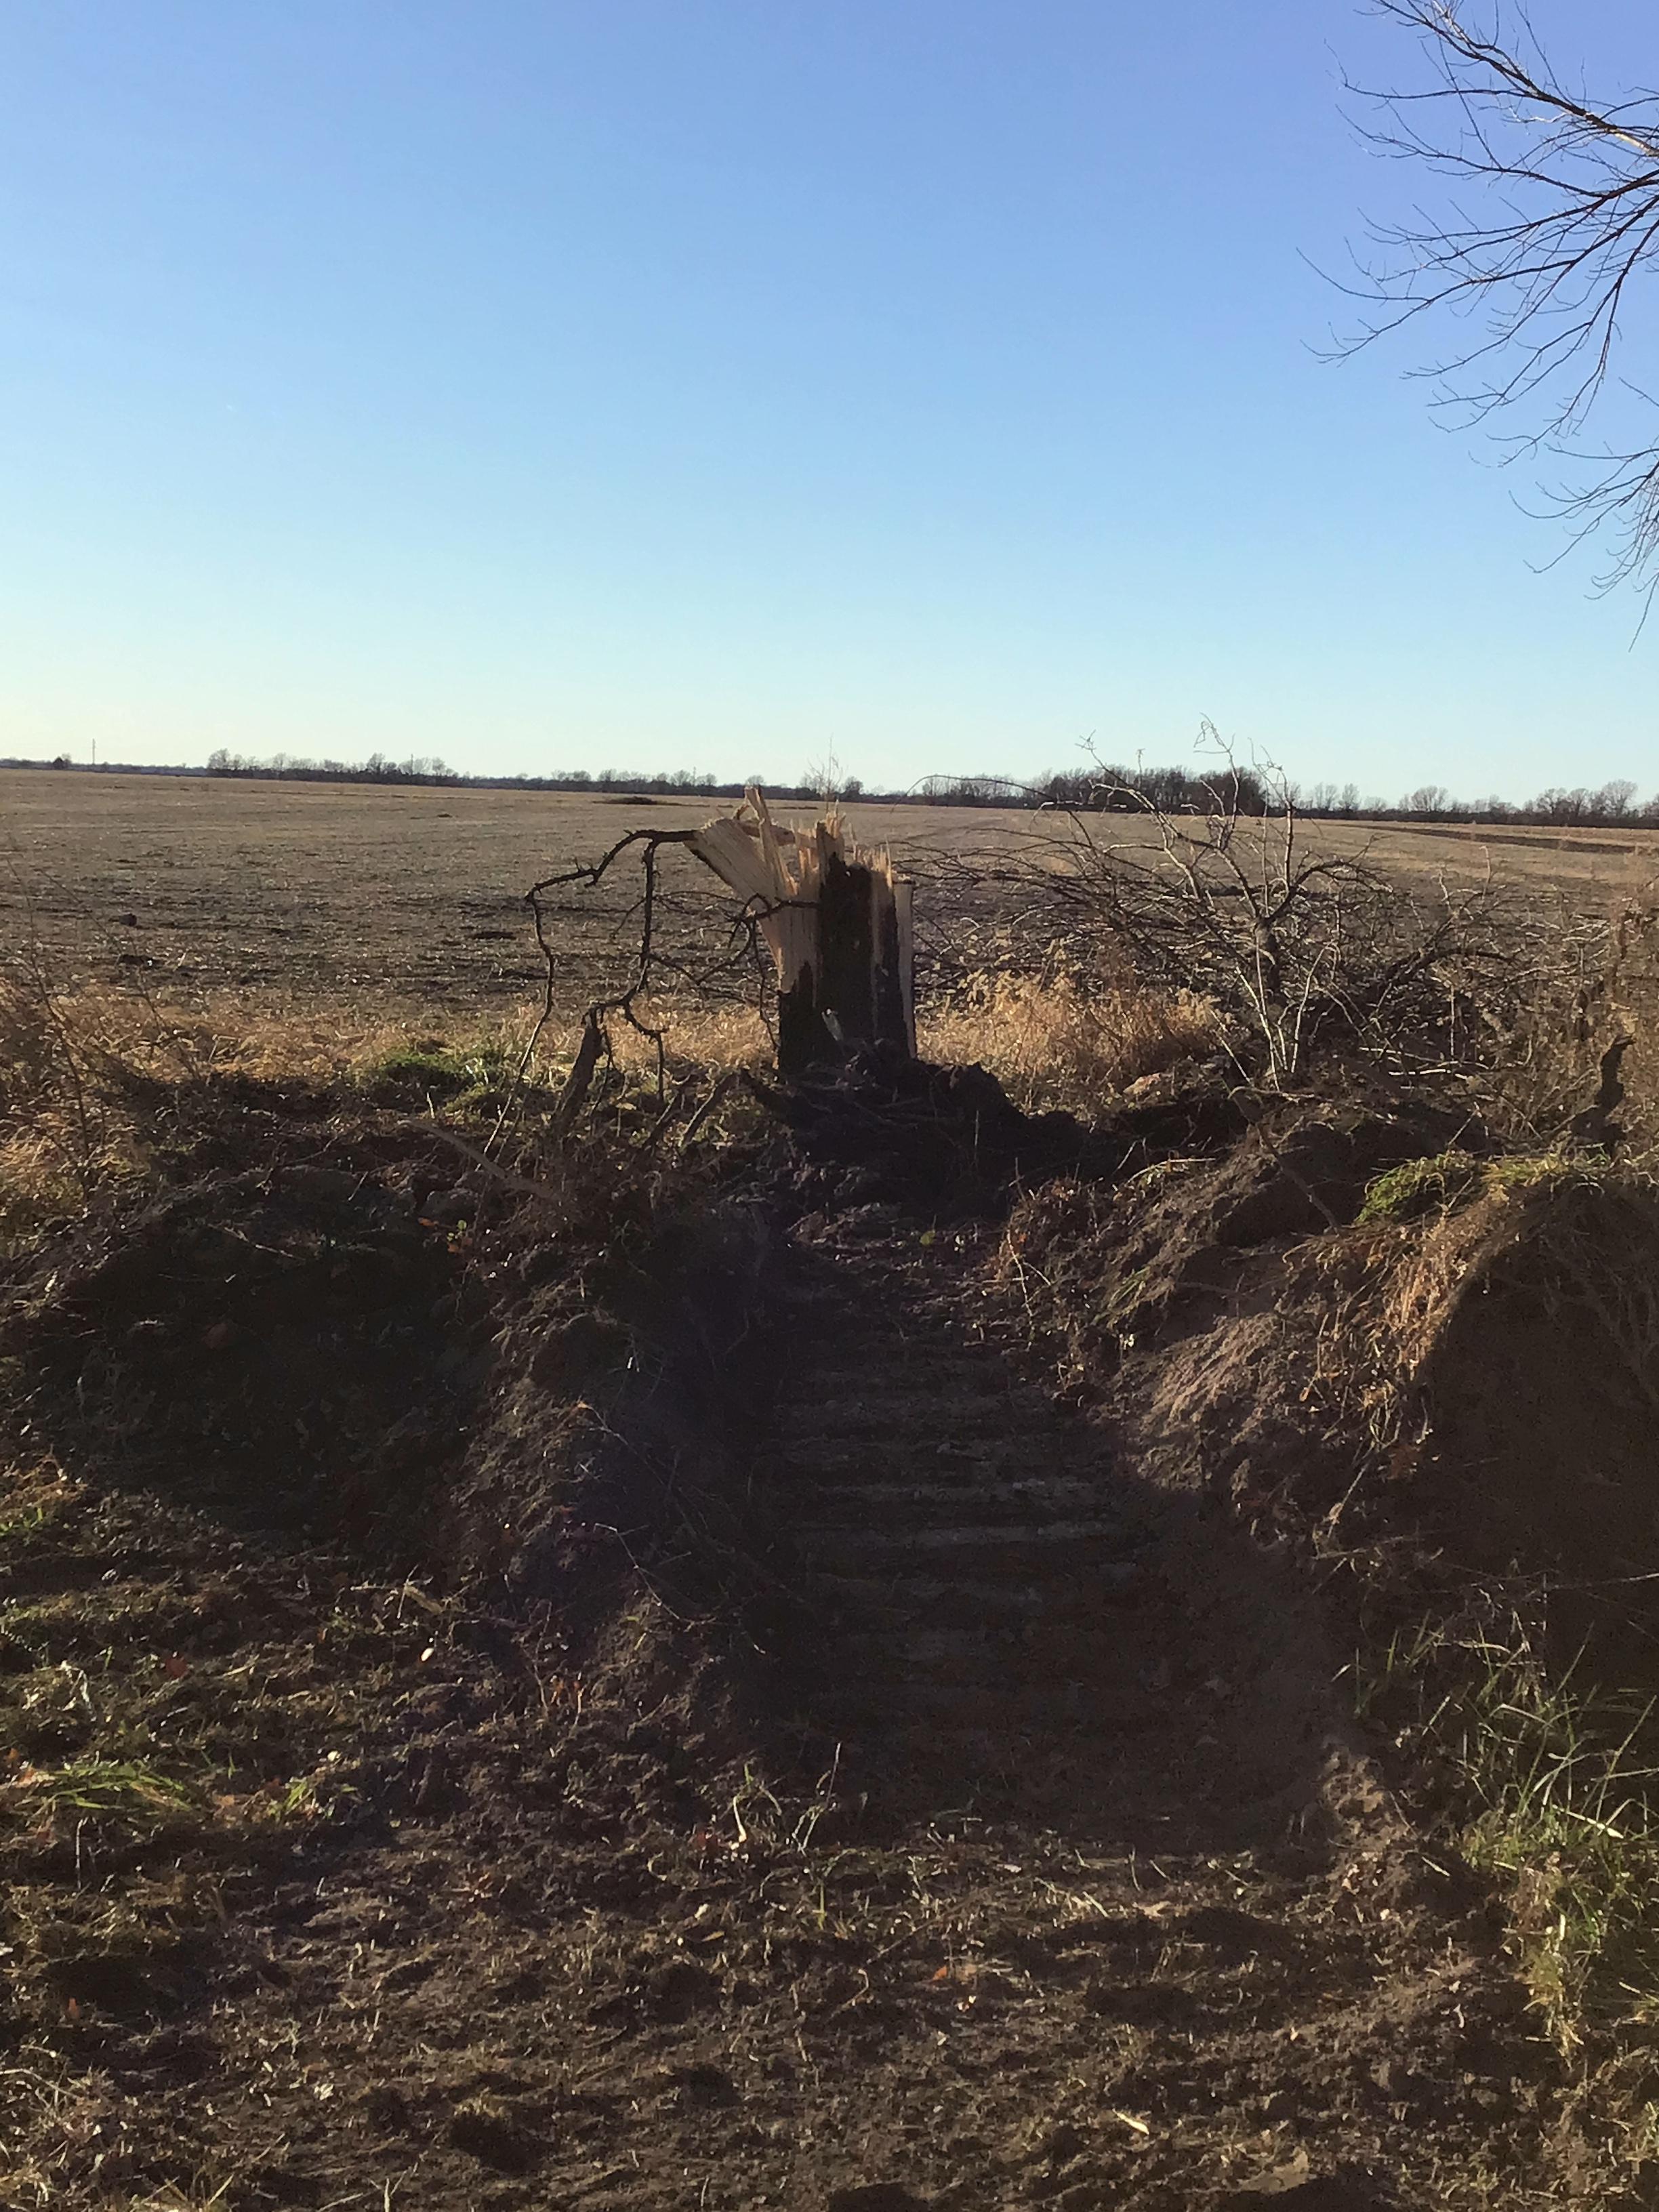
[
  {"x": 967, "y": 1548},
  {"x": 1007, "y": 1638}
]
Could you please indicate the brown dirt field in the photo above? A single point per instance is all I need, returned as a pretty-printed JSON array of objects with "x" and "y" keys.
[
  {"x": 475, "y": 1741},
  {"x": 406, "y": 904},
  {"x": 801, "y": 1676}
]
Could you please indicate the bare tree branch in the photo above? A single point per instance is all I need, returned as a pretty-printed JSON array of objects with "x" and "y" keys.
[
  {"x": 654, "y": 964},
  {"x": 1563, "y": 194}
]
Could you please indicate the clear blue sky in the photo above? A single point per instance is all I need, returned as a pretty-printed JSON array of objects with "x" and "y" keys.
[{"x": 717, "y": 383}]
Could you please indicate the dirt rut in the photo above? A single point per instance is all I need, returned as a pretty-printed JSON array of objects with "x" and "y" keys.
[
  {"x": 1001, "y": 1619},
  {"x": 973, "y": 1574},
  {"x": 1258, "y": 1983}
]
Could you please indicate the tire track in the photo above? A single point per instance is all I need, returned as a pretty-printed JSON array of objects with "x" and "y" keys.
[{"x": 991, "y": 1621}]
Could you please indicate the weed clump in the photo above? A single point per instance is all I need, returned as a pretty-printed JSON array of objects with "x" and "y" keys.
[
  {"x": 1550, "y": 1796},
  {"x": 1439, "y": 1185},
  {"x": 431, "y": 1072},
  {"x": 130, "y": 1790},
  {"x": 1419, "y": 1186},
  {"x": 1059, "y": 1044}
]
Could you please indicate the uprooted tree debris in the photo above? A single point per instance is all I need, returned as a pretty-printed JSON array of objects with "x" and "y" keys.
[{"x": 835, "y": 919}]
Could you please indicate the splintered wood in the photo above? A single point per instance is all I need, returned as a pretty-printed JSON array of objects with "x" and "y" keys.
[{"x": 836, "y": 920}]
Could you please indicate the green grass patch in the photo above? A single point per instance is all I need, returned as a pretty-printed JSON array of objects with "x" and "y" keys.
[
  {"x": 478, "y": 1077},
  {"x": 1419, "y": 1186},
  {"x": 428, "y": 1068},
  {"x": 103, "y": 1789},
  {"x": 1552, "y": 1794},
  {"x": 20, "y": 1521},
  {"x": 1449, "y": 1180}
]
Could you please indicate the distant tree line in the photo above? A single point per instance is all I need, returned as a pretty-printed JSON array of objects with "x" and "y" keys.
[
  {"x": 693, "y": 783},
  {"x": 1099, "y": 787},
  {"x": 1607, "y": 806},
  {"x": 1102, "y": 787},
  {"x": 296, "y": 767},
  {"x": 1111, "y": 788}
]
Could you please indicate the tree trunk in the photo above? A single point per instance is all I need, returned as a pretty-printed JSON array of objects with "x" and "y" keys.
[{"x": 837, "y": 921}]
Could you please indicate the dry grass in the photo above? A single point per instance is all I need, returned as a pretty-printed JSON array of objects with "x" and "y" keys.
[
  {"x": 330, "y": 1044},
  {"x": 63, "y": 1132},
  {"x": 1057, "y": 1043},
  {"x": 1050, "y": 1042},
  {"x": 82, "y": 1074},
  {"x": 1584, "y": 1229},
  {"x": 88, "y": 1078},
  {"x": 712, "y": 1039}
]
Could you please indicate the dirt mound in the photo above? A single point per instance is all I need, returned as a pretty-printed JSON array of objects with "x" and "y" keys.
[
  {"x": 1526, "y": 1326},
  {"x": 1356, "y": 1332},
  {"x": 290, "y": 1341},
  {"x": 348, "y": 1331},
  {"x": 375, "y": 1532},
  {"x": 1169, "y": 1246}
]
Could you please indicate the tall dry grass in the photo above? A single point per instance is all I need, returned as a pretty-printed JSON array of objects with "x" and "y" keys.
[
  {"x": 87, "y": 1076},
  {"x": 1051, "y": 1043},
  {"x": 81, "y": 1076},
  {"x": 85, "y": 1073},
  {"x": 1059, "y": 1044},
  {"x": 716, "y": 1039}
]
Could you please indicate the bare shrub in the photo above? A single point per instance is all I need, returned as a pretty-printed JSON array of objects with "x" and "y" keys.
[
  {"x": 1059, "y": 1044},
  {"x": 1569, "y": 1051},
  {"x": 1300, "y": 949}
]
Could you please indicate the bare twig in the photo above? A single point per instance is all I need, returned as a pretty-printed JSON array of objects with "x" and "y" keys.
[
  {"x": 653, "y": 965},
  {"x": 1298, "y": 945},
  {"x": 1565, "y": 193}
]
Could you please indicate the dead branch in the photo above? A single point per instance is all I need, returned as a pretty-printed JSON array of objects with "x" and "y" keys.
[
  {"x": 1301, "y": 948},
  {"x": 1566, "y": 190},
  {"x": 823, "y": 929}
]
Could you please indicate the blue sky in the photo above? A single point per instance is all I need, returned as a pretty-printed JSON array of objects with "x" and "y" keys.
[{"x": 689, "y": 383}]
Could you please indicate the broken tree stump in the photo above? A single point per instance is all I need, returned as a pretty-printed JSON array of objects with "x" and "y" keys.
[{"x": 837, "y": 922}]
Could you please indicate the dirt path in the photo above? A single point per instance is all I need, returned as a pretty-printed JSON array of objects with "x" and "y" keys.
[
  {"x": 1235, "y": 1975},
  {"x": 1032, "y": 1862}
]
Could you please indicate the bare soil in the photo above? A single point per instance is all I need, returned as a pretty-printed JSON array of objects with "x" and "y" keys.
[
  {"x": 407, "y": 903},
  {"x": 656, "y": 1698},
  {"x": 816, "y": 1677}
]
